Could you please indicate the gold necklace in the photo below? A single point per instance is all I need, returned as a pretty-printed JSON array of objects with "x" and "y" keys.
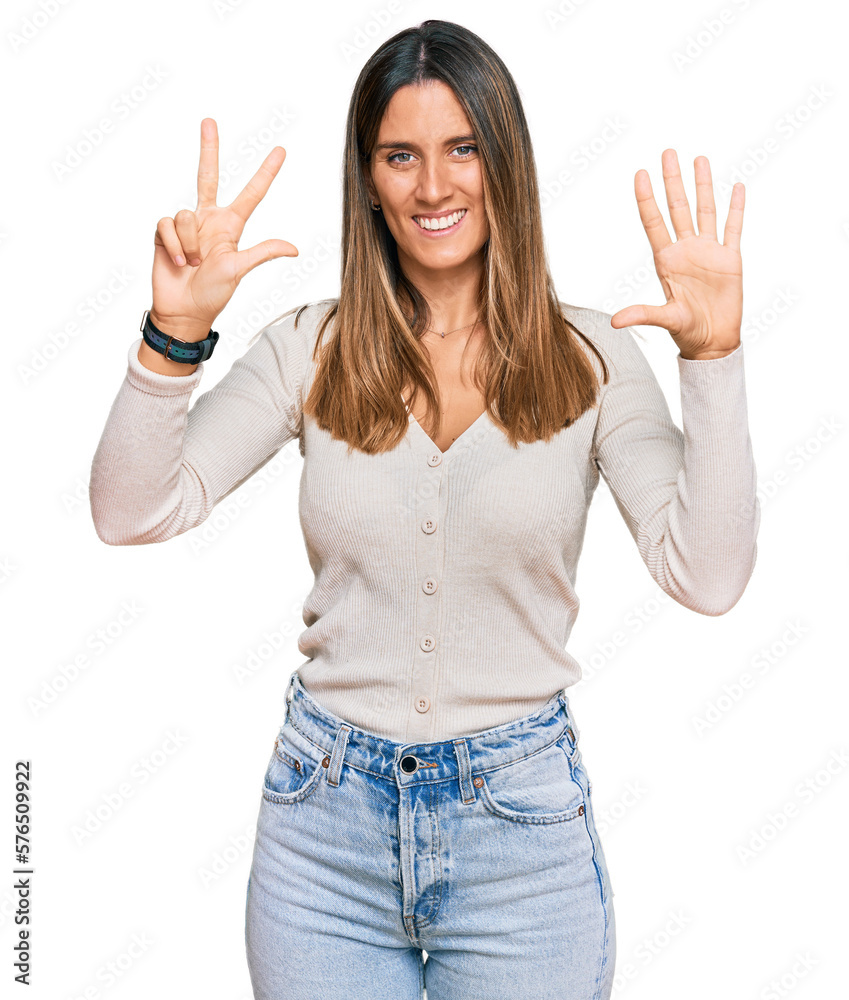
[{"x": 430, "y": 330}]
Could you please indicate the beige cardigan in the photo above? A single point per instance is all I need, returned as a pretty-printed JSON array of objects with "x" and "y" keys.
[{"x": 444, "y": 583}]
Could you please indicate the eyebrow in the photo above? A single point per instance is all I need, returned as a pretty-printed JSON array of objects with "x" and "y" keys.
[{"x": 412, "y": 145}]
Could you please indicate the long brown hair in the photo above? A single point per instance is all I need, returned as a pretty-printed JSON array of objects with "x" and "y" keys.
[{"x": 531, "y": 369}]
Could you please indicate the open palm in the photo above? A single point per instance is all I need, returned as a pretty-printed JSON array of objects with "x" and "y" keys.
[{"x": 701, "y": 278}]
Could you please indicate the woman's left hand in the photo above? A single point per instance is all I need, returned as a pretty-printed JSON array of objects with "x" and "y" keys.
[{"x": 701, "y": 278}]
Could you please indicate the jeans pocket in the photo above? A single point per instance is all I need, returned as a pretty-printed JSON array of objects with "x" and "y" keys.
[
  {"x": 538, "y": 788},
  {"x": 292, "y": 774}
]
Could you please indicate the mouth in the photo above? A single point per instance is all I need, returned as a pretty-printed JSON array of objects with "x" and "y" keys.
[{"x": 440, "y": 225}]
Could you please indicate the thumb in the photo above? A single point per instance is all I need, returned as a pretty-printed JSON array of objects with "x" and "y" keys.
[
  {"x": 247, "y": 260},
  {"x": 642, "y": 316}
]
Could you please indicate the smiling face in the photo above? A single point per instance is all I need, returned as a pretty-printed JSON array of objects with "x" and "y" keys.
[{"x": 425, "y": 174}]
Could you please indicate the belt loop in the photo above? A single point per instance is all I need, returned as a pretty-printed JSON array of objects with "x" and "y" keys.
[
  {"x": 570, "y": 718},
  {"x": 467, "y": 791},
  {"x": 340, "y": 745}
]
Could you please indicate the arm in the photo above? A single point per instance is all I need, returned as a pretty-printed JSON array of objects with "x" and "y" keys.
[
  {"x": 689, "y": 499},
  {"x": 160, "y": 468}
]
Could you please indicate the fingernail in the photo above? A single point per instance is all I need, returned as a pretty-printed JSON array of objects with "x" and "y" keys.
[
  {"x": 180, "y": 259},
  {"x": 195, "y": 261}
]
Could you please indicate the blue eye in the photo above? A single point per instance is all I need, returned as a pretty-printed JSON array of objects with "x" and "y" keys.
[{"x": 393, "y": 157}]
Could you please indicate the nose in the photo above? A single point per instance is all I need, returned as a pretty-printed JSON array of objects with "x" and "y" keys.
[{"x": 434, "y": 182}]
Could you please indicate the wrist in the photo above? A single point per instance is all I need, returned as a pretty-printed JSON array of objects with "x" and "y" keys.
[
  {"x": 184, "y": 330},
  {"x": 709, "y": 355}
]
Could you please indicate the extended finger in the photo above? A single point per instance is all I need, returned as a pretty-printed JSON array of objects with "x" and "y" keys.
[
  {"x": 166, "y": 236},
  {"x": 676, "y": 197},
  {"x": 734, "y": 222},
  {"x": 247, "y": 260},
  {"x": 643, "y": 315},
  {"x": 255, "y": 190},
  {"x": 208, "y": 166},
  {"x": 705, "y": 207},
  {"x": 650, "y": 215},
  {"x": 186, "y": 223}
]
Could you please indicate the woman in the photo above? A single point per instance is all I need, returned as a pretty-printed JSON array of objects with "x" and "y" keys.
[{"x": 426, "y": 792}]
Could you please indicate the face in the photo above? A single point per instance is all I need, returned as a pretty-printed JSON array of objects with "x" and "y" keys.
[{"x": 425, "y": 169}]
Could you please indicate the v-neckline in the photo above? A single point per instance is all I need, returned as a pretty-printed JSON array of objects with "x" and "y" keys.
[{"x": 456, "y": 444}]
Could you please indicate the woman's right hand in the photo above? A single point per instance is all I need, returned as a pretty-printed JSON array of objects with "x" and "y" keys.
[{"x": 196, "y": 261}]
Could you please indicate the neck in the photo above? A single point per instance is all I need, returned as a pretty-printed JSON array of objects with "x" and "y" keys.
[{"x": 452, "y": 295}]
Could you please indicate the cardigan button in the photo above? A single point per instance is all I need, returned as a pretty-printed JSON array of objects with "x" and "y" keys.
[
  {"x": 429, "y": 525},
  {"x": 422, "y": 703},
  {"x": 429, "y": 585},
  {"x": 434, "y": 458},
  {"x": 427, "y": 642}
]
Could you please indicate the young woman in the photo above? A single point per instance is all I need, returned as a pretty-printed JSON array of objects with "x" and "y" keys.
[{"x": 426, "y": 791}]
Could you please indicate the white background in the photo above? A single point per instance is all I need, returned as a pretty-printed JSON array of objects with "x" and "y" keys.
[{"x": 763, "y": 95}]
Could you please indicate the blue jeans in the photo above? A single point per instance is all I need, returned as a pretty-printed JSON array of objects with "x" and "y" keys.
[{"x": 480, "y": 851}]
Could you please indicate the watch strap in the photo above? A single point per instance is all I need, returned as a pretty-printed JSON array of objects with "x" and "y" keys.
[{"x": 182, "y": 351}]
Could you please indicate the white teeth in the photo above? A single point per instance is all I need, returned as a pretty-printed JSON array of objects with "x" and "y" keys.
[{"x": 443, "y": 223}]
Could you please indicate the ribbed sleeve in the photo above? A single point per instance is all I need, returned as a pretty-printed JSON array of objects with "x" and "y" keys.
[
  {"x": 689, "y": 499},
  {"x": 160, "y": 467},
  {"x": 444, "y": 593}
]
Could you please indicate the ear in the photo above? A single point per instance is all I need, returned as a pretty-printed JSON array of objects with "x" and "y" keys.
[{"x": 369, "y": 183}]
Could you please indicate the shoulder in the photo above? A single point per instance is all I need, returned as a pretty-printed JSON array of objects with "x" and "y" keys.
[
  {"x": 300, "y": 324},
  {"x": 620, "y": 348},
  {"x": 283, "y": 349}
]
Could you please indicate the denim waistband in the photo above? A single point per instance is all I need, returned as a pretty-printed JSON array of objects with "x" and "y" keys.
[{"x": 435, "y": 761}]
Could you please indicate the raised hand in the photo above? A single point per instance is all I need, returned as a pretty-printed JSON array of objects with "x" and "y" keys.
[
  {"x": 701, "y": 278},
  {"x": 196, "y": 262}
]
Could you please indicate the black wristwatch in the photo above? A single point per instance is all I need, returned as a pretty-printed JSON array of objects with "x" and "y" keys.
[{"x": 177, "y": 350}]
